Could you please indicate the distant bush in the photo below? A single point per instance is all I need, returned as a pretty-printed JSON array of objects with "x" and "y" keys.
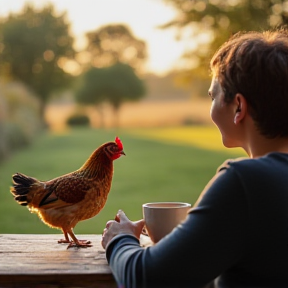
[
  {"x": 19, "y": 117},
  {"x": 78, "y": 120},
  {"x": 16, "y": 137}
]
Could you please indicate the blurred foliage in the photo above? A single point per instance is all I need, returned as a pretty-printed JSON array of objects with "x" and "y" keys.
[
  {"x": 212, "y": 22},
  {"x": 115, "y": 84},
  {"x": 33, "y": 45},
  {"x": 116, "y": 57},
  {"x": 19, "y": 117},
  {"x": 91, "y": 87},
  {"x": 78, "y": 120},
  {"x": 115, "y": 43}
]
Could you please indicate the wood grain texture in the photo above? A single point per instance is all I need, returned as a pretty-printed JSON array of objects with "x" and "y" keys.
[{"x": 39, "y": 261}]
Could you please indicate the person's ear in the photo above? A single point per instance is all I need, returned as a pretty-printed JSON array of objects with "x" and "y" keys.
[{"x": 240, "y": 105}]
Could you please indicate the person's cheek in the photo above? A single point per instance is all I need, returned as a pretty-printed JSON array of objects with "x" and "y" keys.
[{"x": 213, "y": 113}]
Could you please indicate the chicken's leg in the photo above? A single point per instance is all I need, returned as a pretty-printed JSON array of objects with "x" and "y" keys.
[
  {"x": 76, "y": 242},
  {"x": 66, "y": 240}
]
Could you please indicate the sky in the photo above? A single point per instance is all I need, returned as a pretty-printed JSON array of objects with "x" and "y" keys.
[{"x": 142, "y": 16}]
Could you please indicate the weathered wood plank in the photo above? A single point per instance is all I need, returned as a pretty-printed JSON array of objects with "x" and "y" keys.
[{"x": 39, "y": 261}]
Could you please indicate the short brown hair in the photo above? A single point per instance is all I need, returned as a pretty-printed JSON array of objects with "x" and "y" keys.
[{"x": 255, "y": 64}]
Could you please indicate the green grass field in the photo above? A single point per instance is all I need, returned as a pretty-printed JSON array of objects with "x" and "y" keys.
[{"x": 153, "y": 170}]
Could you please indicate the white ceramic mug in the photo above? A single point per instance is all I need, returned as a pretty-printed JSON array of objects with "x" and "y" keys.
[{"x": 162, "y": 217}]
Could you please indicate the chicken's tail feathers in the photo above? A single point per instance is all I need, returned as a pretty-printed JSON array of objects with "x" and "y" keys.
[{"x": 21, "y": 187}]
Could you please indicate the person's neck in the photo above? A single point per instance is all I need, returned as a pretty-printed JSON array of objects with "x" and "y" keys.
[{"x": 259, "y": 145}]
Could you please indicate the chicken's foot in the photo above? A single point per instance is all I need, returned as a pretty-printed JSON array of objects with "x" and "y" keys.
[
  {"x": 76, "y": 242},
  {"x": 80, "y": 244}
]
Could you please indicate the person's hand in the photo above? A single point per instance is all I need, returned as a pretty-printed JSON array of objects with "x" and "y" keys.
[{"x": 121, "y": 225}]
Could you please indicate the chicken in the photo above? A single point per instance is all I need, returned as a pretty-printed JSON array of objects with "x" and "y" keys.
[{"x": 64, "y": 201}]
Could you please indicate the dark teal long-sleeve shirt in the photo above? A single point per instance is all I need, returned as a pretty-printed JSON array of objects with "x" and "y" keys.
[{"x": 237, "y": 232}]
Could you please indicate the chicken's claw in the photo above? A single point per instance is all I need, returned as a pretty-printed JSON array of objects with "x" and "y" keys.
[{"x": 80, "y": 244}]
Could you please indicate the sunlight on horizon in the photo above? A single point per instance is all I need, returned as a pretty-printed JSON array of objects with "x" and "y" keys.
[{"x": 142, "y": 16}]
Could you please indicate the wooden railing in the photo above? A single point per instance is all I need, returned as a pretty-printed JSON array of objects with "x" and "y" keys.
[{"x": 39, "y": 261}]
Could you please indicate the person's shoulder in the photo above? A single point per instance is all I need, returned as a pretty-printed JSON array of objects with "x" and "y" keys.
[
  {"x": 245, "y": 163},
  {"x": 234, "y": 163}
]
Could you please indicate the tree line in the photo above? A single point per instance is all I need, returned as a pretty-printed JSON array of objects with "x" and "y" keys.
[
  {"x": 36, "y": 48},
  {"x": 219, "y": 20}
]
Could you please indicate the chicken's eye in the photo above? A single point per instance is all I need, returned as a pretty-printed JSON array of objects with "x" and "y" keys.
[{"x": 114, "y": 148}]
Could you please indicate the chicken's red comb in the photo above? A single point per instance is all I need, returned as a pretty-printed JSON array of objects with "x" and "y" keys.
[{"x": 119, "y": 143}]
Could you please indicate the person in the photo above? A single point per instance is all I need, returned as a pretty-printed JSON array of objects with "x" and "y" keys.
[{"x": 236, "y": 235}]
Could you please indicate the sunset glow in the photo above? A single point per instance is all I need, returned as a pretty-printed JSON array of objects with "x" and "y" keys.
[{"x": 142, "y": 16}]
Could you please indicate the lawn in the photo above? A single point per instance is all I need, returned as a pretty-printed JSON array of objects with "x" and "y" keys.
[{"x": 155, "y": 169}]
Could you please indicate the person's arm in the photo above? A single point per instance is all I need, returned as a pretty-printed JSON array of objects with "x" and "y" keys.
[{"x": 210, "y": 241}]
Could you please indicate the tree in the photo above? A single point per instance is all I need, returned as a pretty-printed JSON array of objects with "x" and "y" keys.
[
  {"x": 33, "y": 46},
  {"x": 116, "y": 84},
  {"x": 115, "y": 43},
  {"x": 219, "y": 19},
  {"x": 91, "y": 89}
]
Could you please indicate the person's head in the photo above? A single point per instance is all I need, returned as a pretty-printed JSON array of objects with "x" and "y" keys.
[{"x": 255, "y": 65}]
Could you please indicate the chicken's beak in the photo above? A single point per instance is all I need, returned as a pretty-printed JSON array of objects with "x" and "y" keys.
[{"x": 122, "y": 153}]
